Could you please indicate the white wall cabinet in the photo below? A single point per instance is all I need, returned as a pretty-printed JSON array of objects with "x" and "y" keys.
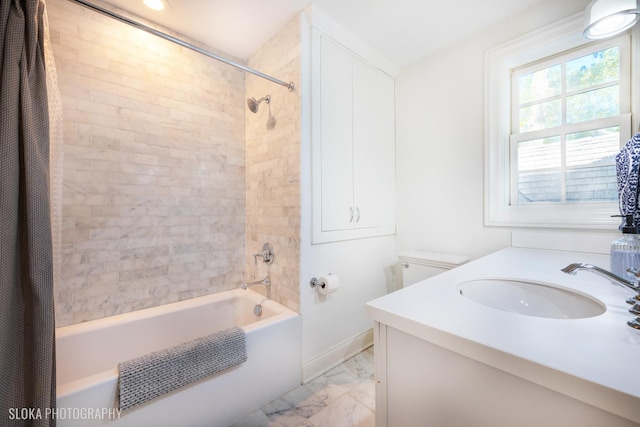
[{"x": 353, "y": 145}]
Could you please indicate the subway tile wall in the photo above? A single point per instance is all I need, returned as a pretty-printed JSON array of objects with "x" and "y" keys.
[
  {"x": 154, "y": 168},
  {"x": 273, "y": 165}
]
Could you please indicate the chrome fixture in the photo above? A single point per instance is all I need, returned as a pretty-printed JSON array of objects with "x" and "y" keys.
[
  {"x": 271, "y": 121},
  {"x": 635, "y": 324},
  {"x": 257, "y": 310},
  {"x": 253, "y": 104},
  {"x": 606, "y": 18},
  {"x": 180, "y": 42},
  {"x": 266, "y": 282},
  {"x": 267, "y": 254},
  {"x": 635, "y": 301},
  {"x": 573, "y": 269}
]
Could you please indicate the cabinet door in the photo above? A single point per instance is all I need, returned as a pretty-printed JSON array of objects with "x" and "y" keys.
[
  {"x": 373, "y": 148},
  {"x": 353, "y": 145},
  {"x": 336, "y": 132},
  {"x": 386, "y": 171}
]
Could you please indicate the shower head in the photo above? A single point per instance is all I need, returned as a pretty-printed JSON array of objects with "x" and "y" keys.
[{"x": 253, "y": 104}]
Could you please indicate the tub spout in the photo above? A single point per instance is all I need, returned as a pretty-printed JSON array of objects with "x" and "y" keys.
[
  {"x": 573, "y": 269},
  {"x": 266, "y": 282}
]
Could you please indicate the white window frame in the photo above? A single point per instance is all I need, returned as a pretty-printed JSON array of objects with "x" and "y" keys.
[{"x": 559, "y": 37}]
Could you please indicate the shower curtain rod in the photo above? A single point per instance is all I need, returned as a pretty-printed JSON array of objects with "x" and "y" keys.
[{"x": 180, "y": 42}]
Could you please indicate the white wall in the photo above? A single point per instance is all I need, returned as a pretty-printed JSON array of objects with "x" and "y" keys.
[
  {"x": 440, "y": 118},
  {"x": 439, "y": 183},
  {"x": 363, "y": 265}
]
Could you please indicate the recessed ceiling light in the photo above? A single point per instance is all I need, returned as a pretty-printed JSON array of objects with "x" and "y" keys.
[{"x": 155, "y": 4}]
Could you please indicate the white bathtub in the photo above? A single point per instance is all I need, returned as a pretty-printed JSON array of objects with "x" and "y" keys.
[{"x": 88, "y": 356}]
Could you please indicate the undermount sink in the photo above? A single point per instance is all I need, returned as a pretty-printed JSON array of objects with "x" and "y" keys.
[{"x": 531, "y": 298}]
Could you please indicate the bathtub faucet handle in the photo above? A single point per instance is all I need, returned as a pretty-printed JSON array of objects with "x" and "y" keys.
[{"x": 267, "y": 254}]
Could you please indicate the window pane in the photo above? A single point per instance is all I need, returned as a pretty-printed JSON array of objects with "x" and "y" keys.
[
  {"x": 543, "y": 153},
  {"x": 541, "y": 116},
  {"x": 595, "y": 104},
  {"x": 593, "y": 147},
  {"x": 539, "y": 187},
  {"x": 597, "y": 184},
  {"x": 540, "y": 84},
  {"x": 594, "y": 69}
]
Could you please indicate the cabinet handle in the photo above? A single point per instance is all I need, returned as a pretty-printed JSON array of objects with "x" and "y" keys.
[
  {"x": 350, "y": 214},
  {"x": 357, "y": 214}
]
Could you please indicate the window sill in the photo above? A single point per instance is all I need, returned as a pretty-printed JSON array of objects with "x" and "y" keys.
[{"x": 569, "y": 216}]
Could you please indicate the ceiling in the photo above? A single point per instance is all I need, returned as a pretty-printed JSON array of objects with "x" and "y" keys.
[{"x": 404, "y": 31}]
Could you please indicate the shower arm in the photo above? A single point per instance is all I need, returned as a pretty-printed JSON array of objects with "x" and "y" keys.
[{"x": 180, "y": 42}]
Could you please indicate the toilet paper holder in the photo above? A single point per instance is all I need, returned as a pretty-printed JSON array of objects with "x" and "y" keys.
[
  {"x": 316, "y": 283},
  {"x": 326, "y": 284}
]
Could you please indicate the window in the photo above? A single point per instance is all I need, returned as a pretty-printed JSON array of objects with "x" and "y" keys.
[
  {"x": 566, "y": 106},
  {"x": 567, "y": 112}
]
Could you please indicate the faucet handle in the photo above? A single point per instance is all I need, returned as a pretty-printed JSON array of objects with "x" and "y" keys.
[
  {"x": 267, "y": 254},
  {"x": 635, "y": 324},
  {"x": 634, "y": 272}
]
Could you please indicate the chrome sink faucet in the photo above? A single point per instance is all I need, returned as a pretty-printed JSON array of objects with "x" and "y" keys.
[
  {"x": 634, "y": 285},
  {"x": 573, "y": 269}
]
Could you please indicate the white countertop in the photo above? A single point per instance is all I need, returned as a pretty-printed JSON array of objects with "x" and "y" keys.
[{"x": 595, "y": 360}]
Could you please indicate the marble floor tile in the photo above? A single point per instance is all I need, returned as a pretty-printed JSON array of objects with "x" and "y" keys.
[
  {"x": 255, "y": 419},
  {"x": 365, "y": 393},
  {"x": 342, "y": 397},
  {"x": 294, "y": 407},
  {"x": 337, "y": 380},
  {"x": 361, "y": 365},
  {"x": 344, "y": 412}
]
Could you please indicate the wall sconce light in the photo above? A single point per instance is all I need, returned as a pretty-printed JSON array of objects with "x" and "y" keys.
[{"x": 606, "y": 18}]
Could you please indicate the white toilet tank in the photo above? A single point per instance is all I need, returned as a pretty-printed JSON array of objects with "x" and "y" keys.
[{"x": 418, "y": 265}]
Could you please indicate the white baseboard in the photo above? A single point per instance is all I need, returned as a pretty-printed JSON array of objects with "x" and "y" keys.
[{"x": 325, "y": 361}]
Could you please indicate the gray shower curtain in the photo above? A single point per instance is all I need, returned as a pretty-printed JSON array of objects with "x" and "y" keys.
[{"x": 27, "y": 326}]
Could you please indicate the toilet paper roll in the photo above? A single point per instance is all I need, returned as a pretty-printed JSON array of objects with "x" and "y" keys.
[{"x": 328, "y": 284}]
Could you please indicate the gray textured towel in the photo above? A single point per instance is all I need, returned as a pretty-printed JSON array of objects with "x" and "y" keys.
[{"x": 154, "y": 374}]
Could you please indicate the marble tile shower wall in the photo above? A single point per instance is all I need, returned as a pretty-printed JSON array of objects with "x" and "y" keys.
[
  {"x": 273, "y": 165},
  {"x": 154, "y": 168}
]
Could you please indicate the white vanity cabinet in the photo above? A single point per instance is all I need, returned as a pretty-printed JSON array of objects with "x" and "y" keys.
[
  {"x": 443, "y": 359},
  {"x": 353, "y": 144}
]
